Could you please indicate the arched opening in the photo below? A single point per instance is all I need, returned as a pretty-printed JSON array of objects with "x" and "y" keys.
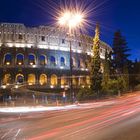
[
  {"x": 64, "y": 81},
  {"x": 31, "y": 79},
  {"x": 62, "y": 61},
  {"x": 82, "y": 65},
  {"x": 86, "y": 64},
  {"x": 6, "y": 79},
  {"x": 31, "y": 59},
  {"x": 42, "y": 59},
  {"x": 20, "y": 59},
  {"x": 87, "y": 80},
  {"x": 102, "y": 67},
  {"x": 73, "y": 62},
  {"x": 54, "y": 80},
  {"x": 79, "y": 63},
  {"x": 74, "y": 80},
  {"x": 43, "y": 79},
  {"x": 8, "y": 59},
  {"x": 19, "y": 78},
  {"x": 81, "y": 80},
  {"x": 52, "y": 61}
]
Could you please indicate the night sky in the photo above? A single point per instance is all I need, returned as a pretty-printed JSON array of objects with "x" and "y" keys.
[{"x": 111, "y": 14}]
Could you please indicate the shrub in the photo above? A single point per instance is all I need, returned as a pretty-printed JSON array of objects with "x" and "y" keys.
[
  {"x": 85, "y": 94},
  {"x": 137, "y": 87}
]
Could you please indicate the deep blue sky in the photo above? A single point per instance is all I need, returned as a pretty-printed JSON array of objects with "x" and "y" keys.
[{"x": 112, "y": 15}]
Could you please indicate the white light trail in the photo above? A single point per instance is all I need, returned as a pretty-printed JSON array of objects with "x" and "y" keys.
[{"x": 44, "y": 108}]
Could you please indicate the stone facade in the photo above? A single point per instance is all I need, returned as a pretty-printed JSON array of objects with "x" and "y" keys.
[{"x": 41, "y": 55}]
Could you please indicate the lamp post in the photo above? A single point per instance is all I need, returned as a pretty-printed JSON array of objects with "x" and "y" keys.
[{"x": 71, "y": 20}]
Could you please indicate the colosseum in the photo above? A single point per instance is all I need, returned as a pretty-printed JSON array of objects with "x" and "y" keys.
[{"x": 41, "y": 56}]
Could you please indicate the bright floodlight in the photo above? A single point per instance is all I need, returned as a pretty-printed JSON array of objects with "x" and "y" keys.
[{"x": 71, "y": 19}]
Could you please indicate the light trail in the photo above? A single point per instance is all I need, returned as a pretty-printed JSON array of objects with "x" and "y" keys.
[
  {"x": 111, "y": 116},
  {"x": 103, "y": 124},
  {"x": 6, "y": 134},
  {"x": 35, "y": 109},
  {"x": 88, "y": 119},
  {"x": 17, "y": 133}
]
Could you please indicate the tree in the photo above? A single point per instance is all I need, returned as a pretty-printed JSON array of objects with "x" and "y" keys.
[
  {"x": 120, "y": 61},
  {"x": 126, "y": 77},
  {"x": 106, "y": 72},
  {"x": 135, "y": 74},
  {"x": 96, "y": 63},
  {"x": 120, "y": 52}
]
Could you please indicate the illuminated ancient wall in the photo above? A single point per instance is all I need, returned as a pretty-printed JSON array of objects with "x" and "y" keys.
[{"x": 41, "y": 55}]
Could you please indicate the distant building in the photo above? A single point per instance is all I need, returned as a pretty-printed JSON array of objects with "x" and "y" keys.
[{"x": 41, "y": 55}]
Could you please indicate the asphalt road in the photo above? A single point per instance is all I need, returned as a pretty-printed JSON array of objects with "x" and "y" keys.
[{"x": 116, "y": 119}]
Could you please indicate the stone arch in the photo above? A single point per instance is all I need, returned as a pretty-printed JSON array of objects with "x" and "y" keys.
[
  {"x": 54, "y": 80},
  {"x": 6, "y": 79},
  {"x": 102, "y": 67},
  {"x": 81, "y": 80},
  {"x": 19, "y": 59},
  {"x": 31, "y": 59},
  {"x": 62, "y": 61},
  {"x": 86, "y": 64},
  {"x": 19, "y": 78},
  {"x": 74, "y": 80},
  {"x": 73, "y": 62},
  {"x": 52, "y": 61},
  {"x": 82, "y": 63},
  {"x": 43, "y": 79},
  {"x": 79, "y": 63},
  {"x": 87, "y": 80},
  {"x": 31, "y": 79},
  {"x": 7, "y": 59},
  {"x": 64, "y": 80},
  {"x": 42, "y": 59}
]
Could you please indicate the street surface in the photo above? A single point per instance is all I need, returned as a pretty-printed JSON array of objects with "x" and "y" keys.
[{"x": 116, "y": 119}]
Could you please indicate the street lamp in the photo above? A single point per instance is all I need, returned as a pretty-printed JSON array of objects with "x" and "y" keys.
[{"x": 71, "y": 20}]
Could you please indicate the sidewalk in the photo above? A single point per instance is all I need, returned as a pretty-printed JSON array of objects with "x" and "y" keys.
[{"x": 31, "y": 103}]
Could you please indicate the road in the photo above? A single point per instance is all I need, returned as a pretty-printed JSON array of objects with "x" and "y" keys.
[{"x": 116, "y": 119}]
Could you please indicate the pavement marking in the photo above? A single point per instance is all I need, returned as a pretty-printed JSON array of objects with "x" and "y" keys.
[
  {"x": 6, "y": 133},
  {"x": 17, "y": 132}
]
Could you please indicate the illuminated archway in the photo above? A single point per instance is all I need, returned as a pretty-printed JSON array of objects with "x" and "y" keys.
[
  {"x": 79, "y": 63},
  {"x": 62, "y": 61},
  {"x": 43, "y": 79},
  {"x": 20, "y": 59},
  {"x": 74, "y": 80},
  {"x": 7, "y": 59},
  {"x": 31, "y": 59},
  {"x": 31, "y": 79},
  {"x": 87, "y": 80},
  {"x": 82, "y": 64},
  {"x": 43, "y": 60},
  {"x": 73, "y": 62},
  {"x": 54, "y": 80},
  {"x": 19, "y": 78},
  {"x": 64, "y": 81},
  {"x": 6, "y": 79},
  {"x": 81, "y": 80},
  {"x": 52, "y": 61},
  {"x": 102, "y": 67}
]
